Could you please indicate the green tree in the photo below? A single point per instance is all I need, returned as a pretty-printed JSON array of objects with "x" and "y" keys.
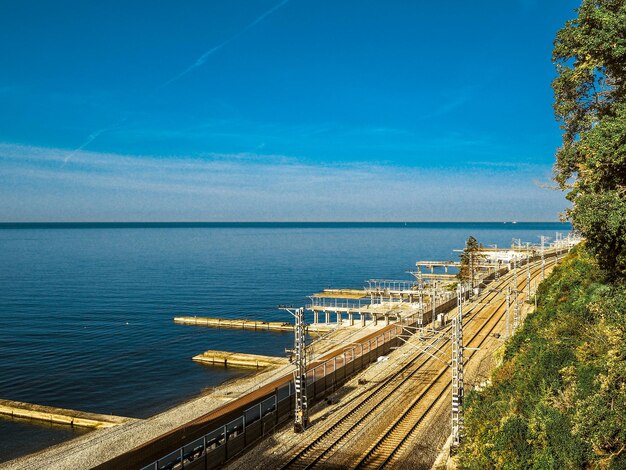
[
  {"x": 470, "y": 258},
  {"x": 590, "y": 103}
]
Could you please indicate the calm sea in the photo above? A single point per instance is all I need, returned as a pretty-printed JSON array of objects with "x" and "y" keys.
[{"x": 87, "y": 310}]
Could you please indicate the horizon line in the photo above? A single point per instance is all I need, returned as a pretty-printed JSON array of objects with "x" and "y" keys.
[{"x": 281, "y": 222}]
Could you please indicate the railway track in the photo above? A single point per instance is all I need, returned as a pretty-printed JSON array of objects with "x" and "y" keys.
[
  {"x": 389, "y": 446},
  {"x": 351, "y": 420},
  {"x": 396, "y": 390}
]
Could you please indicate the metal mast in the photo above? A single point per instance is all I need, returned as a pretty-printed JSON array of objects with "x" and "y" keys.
[
  {"x": 420, "y": 287},
  {"x": 301, "y": 415},
  {"x": 508, "y": 306},
  {"x": 516, "y": 312},
  {"x": 471, "y": 268},
  {"x": 543, "y": 259},
  {"x": 457, "y": 369},
  {"x": 527, "y": 272},
  {"x": 433, "y": 301},
  {"x": 516, "y": 294}
]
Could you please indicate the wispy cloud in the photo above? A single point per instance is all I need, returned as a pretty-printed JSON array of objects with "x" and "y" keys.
[
  {"x": 331, "y": 133},
  {"x": 256, "y": 187},
  {"x": 507, "y": 164},
  {"x": 203, "y": 58}
]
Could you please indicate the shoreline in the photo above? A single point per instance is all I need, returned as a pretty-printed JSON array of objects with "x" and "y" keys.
[{"x": 99, "y": 446}]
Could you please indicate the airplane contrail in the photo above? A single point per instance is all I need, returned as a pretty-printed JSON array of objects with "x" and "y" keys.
[
  {"x": 93, "y": 136},
  {"x": 202, "y": 59}
]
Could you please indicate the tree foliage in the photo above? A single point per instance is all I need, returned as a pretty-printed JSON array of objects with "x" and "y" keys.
[
  {"x": 590, "y": 102},
  {"x": 559, "y": 398},
  {"x": 470, "y": 258}
]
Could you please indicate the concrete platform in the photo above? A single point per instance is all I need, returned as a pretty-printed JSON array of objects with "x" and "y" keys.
[
  {"x": 51, "y": 414},
  {"x": 239, "y": 359},
  {"x": 248, "y": 324}
]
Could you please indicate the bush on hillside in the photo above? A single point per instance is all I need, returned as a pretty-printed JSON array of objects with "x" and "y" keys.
[{"x": 559, "y": 398}]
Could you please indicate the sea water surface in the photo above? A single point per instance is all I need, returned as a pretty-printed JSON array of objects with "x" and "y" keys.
[{"x": 86, "y": 309}]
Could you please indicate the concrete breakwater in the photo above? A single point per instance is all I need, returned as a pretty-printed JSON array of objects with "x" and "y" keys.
[
  {"x": 239, "y": 359},
  {"x": 247, "y": 324},
  {"x": 51, "y": 414}
]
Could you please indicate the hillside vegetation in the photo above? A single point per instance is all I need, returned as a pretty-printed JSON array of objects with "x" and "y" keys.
[{"x": 559, "y": 398}]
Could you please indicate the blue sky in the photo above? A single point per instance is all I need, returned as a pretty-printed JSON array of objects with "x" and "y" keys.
[{"x": 278, "y": 110}]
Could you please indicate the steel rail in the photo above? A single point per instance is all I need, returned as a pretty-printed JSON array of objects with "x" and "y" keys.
[
  {"x": 345, "y": 428},
  {"x": 398, "y": 433}
]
